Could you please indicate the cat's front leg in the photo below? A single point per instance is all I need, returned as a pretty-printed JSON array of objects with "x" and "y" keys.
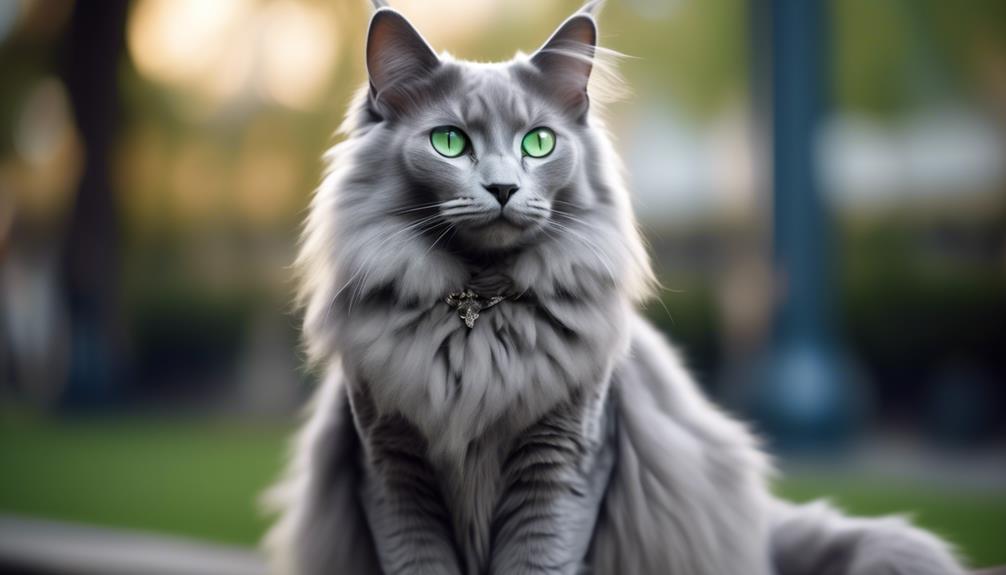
[
  {"x": 553, "y": 484},
  {"x": 406, "y": 511}
]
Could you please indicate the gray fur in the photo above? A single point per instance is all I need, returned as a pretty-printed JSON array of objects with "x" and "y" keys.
[{"x": 560, "y": 434}]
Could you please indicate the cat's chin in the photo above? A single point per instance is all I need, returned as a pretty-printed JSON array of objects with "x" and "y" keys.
[{"x": 499, "y": 235}]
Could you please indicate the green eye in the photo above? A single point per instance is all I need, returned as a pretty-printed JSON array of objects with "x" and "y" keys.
[
  {"x": 538, "y": 143},
  {"x": 449, "y": 141}
]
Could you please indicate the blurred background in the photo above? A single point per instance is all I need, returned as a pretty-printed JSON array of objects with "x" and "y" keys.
[{"x": 157, "y": 156}]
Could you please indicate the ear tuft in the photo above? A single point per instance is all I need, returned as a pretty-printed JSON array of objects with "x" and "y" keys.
[
  {"x": 396, "y": 52},
  {"x": 592, "y": 7}
]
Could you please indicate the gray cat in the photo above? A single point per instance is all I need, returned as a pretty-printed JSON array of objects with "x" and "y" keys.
[{"x": 492, "y": 402}]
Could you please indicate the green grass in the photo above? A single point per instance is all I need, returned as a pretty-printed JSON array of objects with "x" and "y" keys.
[
  {"x": 191, "y": 478},
  {"x": 974, "y": 521},
  {"x": 201, "y": 479}
]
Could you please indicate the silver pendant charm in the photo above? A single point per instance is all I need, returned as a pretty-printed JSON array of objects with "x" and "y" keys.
[{"x": 469, "y": 304}]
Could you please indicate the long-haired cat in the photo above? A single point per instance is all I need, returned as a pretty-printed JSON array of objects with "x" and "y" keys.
[{"x": 492, "y": 402}]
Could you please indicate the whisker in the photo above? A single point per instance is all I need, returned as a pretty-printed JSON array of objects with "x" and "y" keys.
[
  {"x": 450, "y": 214},
  {"x": 358, "y": 290},
  {"x": 363, "y": 264},
  {"x": 417, "y": 208},
  {"x": 571, "y": 217},
  {"x": 436, "y": 241},
  {"x": 570, "y": 204},
  {"x": 593, "y": 247},
  {"x": 472, "y": 218}
]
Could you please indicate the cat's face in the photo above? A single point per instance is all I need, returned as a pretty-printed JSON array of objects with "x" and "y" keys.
[
  {"x": 488, "y": 150},
  {"x": 492, "y": 155}
]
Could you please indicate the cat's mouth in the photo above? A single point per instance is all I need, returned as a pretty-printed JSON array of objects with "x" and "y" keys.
[
  {"x": 500, "y": 231},
  {"x": 505, "y": 218},
  {"x": 500, "y": 227},
  {"x": 500, "y": 218},
  {"x": 470, "y": 212},
  {"x": 482, "y": 226},
  {"x": 515, "y": 221}
]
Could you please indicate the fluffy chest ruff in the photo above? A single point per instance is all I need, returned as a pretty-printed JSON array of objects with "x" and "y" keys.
[{"x": 454, "y": 383}]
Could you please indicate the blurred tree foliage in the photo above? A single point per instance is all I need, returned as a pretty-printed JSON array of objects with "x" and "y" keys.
[
  {"x": 697, "y": 55},
  {"x": 888, "y": 55},
  {"x": 886, "y": 52}
]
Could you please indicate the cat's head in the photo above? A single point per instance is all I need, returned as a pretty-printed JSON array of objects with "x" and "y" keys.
[
  {"x": 448, "y": 163},
  {"x": 492, "y": 149}
]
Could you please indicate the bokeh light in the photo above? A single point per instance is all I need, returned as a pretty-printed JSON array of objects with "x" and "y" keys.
[
  {"x": 182, "y": 42},
  {"x": 224, "y": 50},
  {"x": 299, "y": 48}
]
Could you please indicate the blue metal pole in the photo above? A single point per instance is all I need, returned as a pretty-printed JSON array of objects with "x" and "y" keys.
[
  {"x": 800, "y": 224},
  {"x": 804, "y": 396}
]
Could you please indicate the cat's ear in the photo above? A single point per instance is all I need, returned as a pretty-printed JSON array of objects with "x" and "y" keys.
[
  {"x": 396, "y": 53},
  {"x": 567, "y": 59},
  {"x": 592, "y": 7}
]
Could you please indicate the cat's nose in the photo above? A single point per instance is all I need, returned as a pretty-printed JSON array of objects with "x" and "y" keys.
[{"x": 502, "y": 191}]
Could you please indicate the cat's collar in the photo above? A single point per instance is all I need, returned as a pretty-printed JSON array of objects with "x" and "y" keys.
[{"x": 470, "y": 304}]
